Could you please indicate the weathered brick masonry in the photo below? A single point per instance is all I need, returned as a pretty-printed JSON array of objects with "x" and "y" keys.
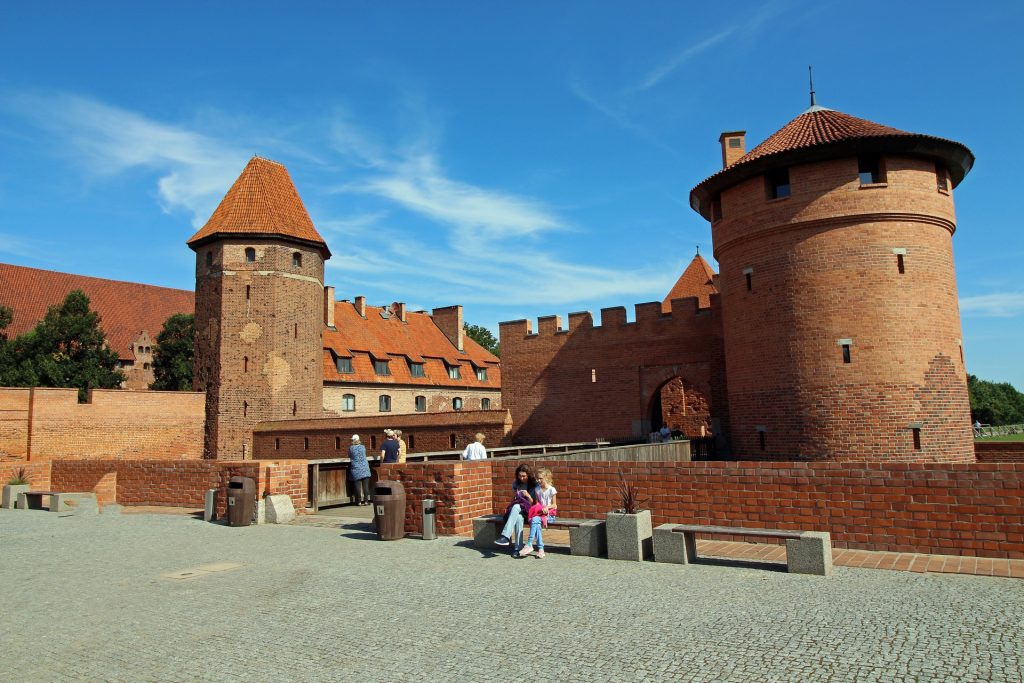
[
  {"x": 587, "y": 382},
  {"x": 44, "y": 424},
  {"x": 999, "y": 451}
]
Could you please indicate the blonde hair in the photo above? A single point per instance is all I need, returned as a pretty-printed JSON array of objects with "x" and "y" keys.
[
  {"x": 480, "y": 436},
  {"x": 546, "y": 474}
]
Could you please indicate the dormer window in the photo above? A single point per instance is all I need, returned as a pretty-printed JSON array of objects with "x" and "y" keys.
[
  {"x": 416, "y": 370},
  {"x": 777, "y": 183},
  {"x": 481, "y": 374},
  {"x": 869, "y": 169},
  {"x": 344, "y": 365},
  {"x": 250, "y": 255},
  {"x": 453, "y": 372},
  {"x": 381, "y": 368}
]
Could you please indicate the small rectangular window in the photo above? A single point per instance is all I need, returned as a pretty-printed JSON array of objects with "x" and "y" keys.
[
  {"x": 247, "y": 292},
  {"x": 416, "y": 370},
  {"x": 481, "y": 374},
  {"x": 941, "y": 178},
  {"x": 453, "y": 372},
  {"x": 297, "y": 260},
  {"x": 762, "y": 441},
  {"x": 421, "y": 404},
  {"x": 916, "y": 431},
  {"x": 385, "y": 403},
  {"x": 209, "y": 259},
  {"x": 716, "y": 208},
  {"x": 277, "y": 444},
  {"x": 777, "y": 181},
  {"x": 344, "y": 365},
  {"x": 337, "y": 443},
  {"x": 485, "y": 404},
  {"x": 735, "y": 142},
  {"x": 348, "y": 403},
  {"x": 381, "y": 368},
  {"x": 305, "y": 443},
  {"x": 748, "y": 276},
  {"x": 900, "y": 267},
  {"x": 869, "y": 169},
  {"x": 846, "y": 353},
  {"x": 456, "y": 403}
]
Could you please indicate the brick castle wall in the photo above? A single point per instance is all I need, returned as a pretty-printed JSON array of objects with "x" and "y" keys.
[
  {"x": 403, "y": 399},
  {"x": 999, "y": 451},
  {"x": 37, "y": 473},
  {"x": 588, "y": 382},
  {"x": 114, "y": 424},
  {"x": 823, "y": 268},
  {"x": 259, "y": 348},
  {"x": 423, "y": 433},
  {"x": 461, "y": 490}
]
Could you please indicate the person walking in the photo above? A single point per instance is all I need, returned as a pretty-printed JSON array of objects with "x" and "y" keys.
[
  {"x": 476, "y": 450},
  {"x": 359, "y": 471}
]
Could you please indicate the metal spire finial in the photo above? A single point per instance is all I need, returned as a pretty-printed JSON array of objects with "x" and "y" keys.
[
  {"x": 810, "y": 77},
  {"x": 698, "y": 250}
]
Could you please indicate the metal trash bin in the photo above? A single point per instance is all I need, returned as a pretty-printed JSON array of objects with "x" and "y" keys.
[
  {"x": 389, "y": 510},
  {"x": 241, "y": 501},
  {"x": 429, "y": 519}
]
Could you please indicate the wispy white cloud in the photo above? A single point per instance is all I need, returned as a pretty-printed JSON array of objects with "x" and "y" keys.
[
  {"x": 108, "y": 140},
  {"x": 659, "y": 73},
  {"x": 17, "y": 245},
  {"x": 995, "y": 305}
]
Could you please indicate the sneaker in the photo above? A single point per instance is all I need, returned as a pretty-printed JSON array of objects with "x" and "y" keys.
[
  {"x": 540, "y": 553},
  {"x": 525, "y": 551},
  {"x": 501, "y": 540}
]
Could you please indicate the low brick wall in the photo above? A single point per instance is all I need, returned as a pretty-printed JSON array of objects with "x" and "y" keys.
[
  {"x": 326, "y": 438},
  {"x": 951, "y": 509},
  {"x": 999, "y": 451},
  {"x": 461, "y": 490},
  {"x": 37, "y": 473}
]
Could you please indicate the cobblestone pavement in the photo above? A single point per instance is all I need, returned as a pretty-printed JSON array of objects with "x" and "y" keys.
[{"x": 84, "y": 599}]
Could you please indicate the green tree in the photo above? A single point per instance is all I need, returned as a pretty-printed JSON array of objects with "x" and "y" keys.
[
  {"x": 66, "y": 349},
  {"x": 482, "y": 336},
  {"x": 995, "y": 403},
  {"x": 172, "y": 358}
]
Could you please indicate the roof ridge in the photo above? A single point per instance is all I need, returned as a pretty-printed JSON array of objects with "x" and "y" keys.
[{"x": 93, "y": 277}]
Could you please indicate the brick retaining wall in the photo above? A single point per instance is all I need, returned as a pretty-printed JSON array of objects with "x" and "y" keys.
[{"x": 999, "y": 451}]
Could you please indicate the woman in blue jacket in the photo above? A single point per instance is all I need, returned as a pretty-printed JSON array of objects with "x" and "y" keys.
[{"x": 359, "y": 471}]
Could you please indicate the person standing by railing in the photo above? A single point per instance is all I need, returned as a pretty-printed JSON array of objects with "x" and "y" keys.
[{"x": 476, "y": 450}]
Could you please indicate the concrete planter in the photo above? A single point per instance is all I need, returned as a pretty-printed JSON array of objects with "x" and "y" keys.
[
  {"x": 10, "y": 497},
  {"x": 630, "y": 537}
]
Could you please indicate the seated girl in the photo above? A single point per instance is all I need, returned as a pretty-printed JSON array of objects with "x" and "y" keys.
[{"x": 543, "y": 512}]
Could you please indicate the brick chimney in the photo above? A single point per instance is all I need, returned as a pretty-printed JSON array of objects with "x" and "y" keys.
[
  {"x": 329, "y": 306},
  {"x": 734, "y": 145},
  {"x": 361, "y": 306},
  {"x": 398, "y": 309},
  {"x": 449, "y": 321}
]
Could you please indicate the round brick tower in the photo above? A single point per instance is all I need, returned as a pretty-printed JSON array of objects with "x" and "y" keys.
[
  {"x": 259, "y": 310},
  {"x": 840, "y": 314}
]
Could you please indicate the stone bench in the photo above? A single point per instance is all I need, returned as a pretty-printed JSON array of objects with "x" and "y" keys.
[
  {"x": 586, "y": 536},
  {"x": 59, "y": 501},
  {"x": 807, "y": 552}
]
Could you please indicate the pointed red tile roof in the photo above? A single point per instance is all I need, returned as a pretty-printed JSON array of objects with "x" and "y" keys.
[
  {"x": 125, "y": 308},
  {"x": 697, "y": 280},
  {"x": 821, "y": 133},
  {"x": 263, "y": 201}
]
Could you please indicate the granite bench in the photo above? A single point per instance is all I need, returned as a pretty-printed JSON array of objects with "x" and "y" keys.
[
  {"x": 807, "y": 552},
  {"x": 586, "y": 536},
  {"x": 59, "y": 501}
]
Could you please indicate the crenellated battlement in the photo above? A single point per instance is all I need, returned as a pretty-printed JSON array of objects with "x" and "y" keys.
[{"x": 685, "y": 311}]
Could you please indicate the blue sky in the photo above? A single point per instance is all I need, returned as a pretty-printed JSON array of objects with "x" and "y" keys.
[{"x": 521, "y": 159}]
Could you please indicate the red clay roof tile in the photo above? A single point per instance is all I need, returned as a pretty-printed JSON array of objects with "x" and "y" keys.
[
  {"x": 125, "y": 308},
  {"x": 697, "y": 280},
  {"x": 263, "y": 200}
]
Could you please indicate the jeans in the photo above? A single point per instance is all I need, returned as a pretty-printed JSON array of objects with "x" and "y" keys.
[
  {"x": 514, "y": 526},
  {"x": 536, "y": 534},
  {"x": 363, "y": 484}
]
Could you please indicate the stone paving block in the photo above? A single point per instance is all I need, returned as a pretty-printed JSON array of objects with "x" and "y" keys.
[
  {"x": 589, "y": 539},
  {"x": 485, "y": 531},
  {"x": 669, "y": 546},
  {"x": 629, "y": 536},
  {"x": 810, "y": 554},
  {"x": 279, "y": 509}
]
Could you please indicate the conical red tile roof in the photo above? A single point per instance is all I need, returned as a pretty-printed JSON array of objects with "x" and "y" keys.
[
  {"x": 821, "y": 133},
  {"x": 263, "y": 201},
  {"x": 697, "y": 280}
]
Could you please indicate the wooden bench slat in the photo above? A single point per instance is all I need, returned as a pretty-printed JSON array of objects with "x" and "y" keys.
[
  {"x": 559, "y": 521},
  {"x": 736, "y": 531}
]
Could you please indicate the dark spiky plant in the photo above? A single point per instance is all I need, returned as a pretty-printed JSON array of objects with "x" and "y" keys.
[
  {"x": 20, "y": 478},
  {"x": 629, "y": 496}
]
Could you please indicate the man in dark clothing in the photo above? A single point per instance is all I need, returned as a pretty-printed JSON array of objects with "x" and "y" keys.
[{"x": 390, "y": 447}]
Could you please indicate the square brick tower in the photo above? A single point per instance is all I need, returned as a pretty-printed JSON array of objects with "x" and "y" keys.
[{"x": 259, "y": 310}]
